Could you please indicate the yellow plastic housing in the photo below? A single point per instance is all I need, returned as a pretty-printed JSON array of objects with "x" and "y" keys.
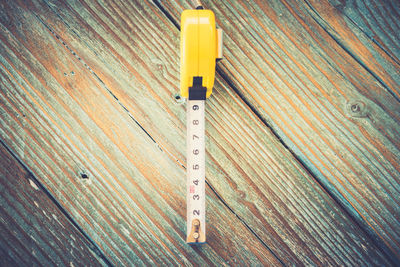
[{"x": 198, "y": 49}]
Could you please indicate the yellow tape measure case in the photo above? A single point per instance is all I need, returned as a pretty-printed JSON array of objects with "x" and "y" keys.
[{"x": 200, "y": 47}]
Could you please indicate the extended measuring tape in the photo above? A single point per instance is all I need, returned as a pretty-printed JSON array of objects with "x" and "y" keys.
[{"x": 201, "y": 46}]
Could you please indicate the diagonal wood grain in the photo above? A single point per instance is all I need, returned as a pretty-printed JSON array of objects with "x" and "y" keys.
[
  {"x": 338, "y": 115},
  {"x": 33, "y": 229},
  {"x": 130, "y": 49},
  {"x": 370, "y": 41},
  {"x": 379, "y": 20},
  {"x": 61, "y": 121}
]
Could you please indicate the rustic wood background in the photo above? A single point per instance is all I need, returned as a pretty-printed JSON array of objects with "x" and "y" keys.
[{"x": 303, "y": 147}]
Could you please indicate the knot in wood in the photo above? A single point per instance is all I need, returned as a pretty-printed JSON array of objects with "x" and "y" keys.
[{"x": 357, "y": 109}]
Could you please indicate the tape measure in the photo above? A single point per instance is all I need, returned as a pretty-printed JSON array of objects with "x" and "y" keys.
[{"x": 201, "y": 46}]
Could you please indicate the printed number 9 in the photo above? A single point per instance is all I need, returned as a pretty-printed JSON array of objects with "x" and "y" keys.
[{"x": 195, "y": 107}]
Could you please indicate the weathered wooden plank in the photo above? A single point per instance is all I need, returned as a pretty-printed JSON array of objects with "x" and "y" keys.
[
  {"x": 61, "y": 121},
  {"x": 329, "y": 110},
  {"x": 33, "y": 229},
  {"x": 133, "y": 49},
  {"x": 364, "y": 29},
  {"x": 378, "y": 20}
]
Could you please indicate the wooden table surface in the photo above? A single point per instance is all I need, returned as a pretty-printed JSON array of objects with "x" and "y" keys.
[{"x": 302, "y": 134}]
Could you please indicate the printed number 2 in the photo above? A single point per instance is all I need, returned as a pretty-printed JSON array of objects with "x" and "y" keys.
[{"x": 196, "y": 212}]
